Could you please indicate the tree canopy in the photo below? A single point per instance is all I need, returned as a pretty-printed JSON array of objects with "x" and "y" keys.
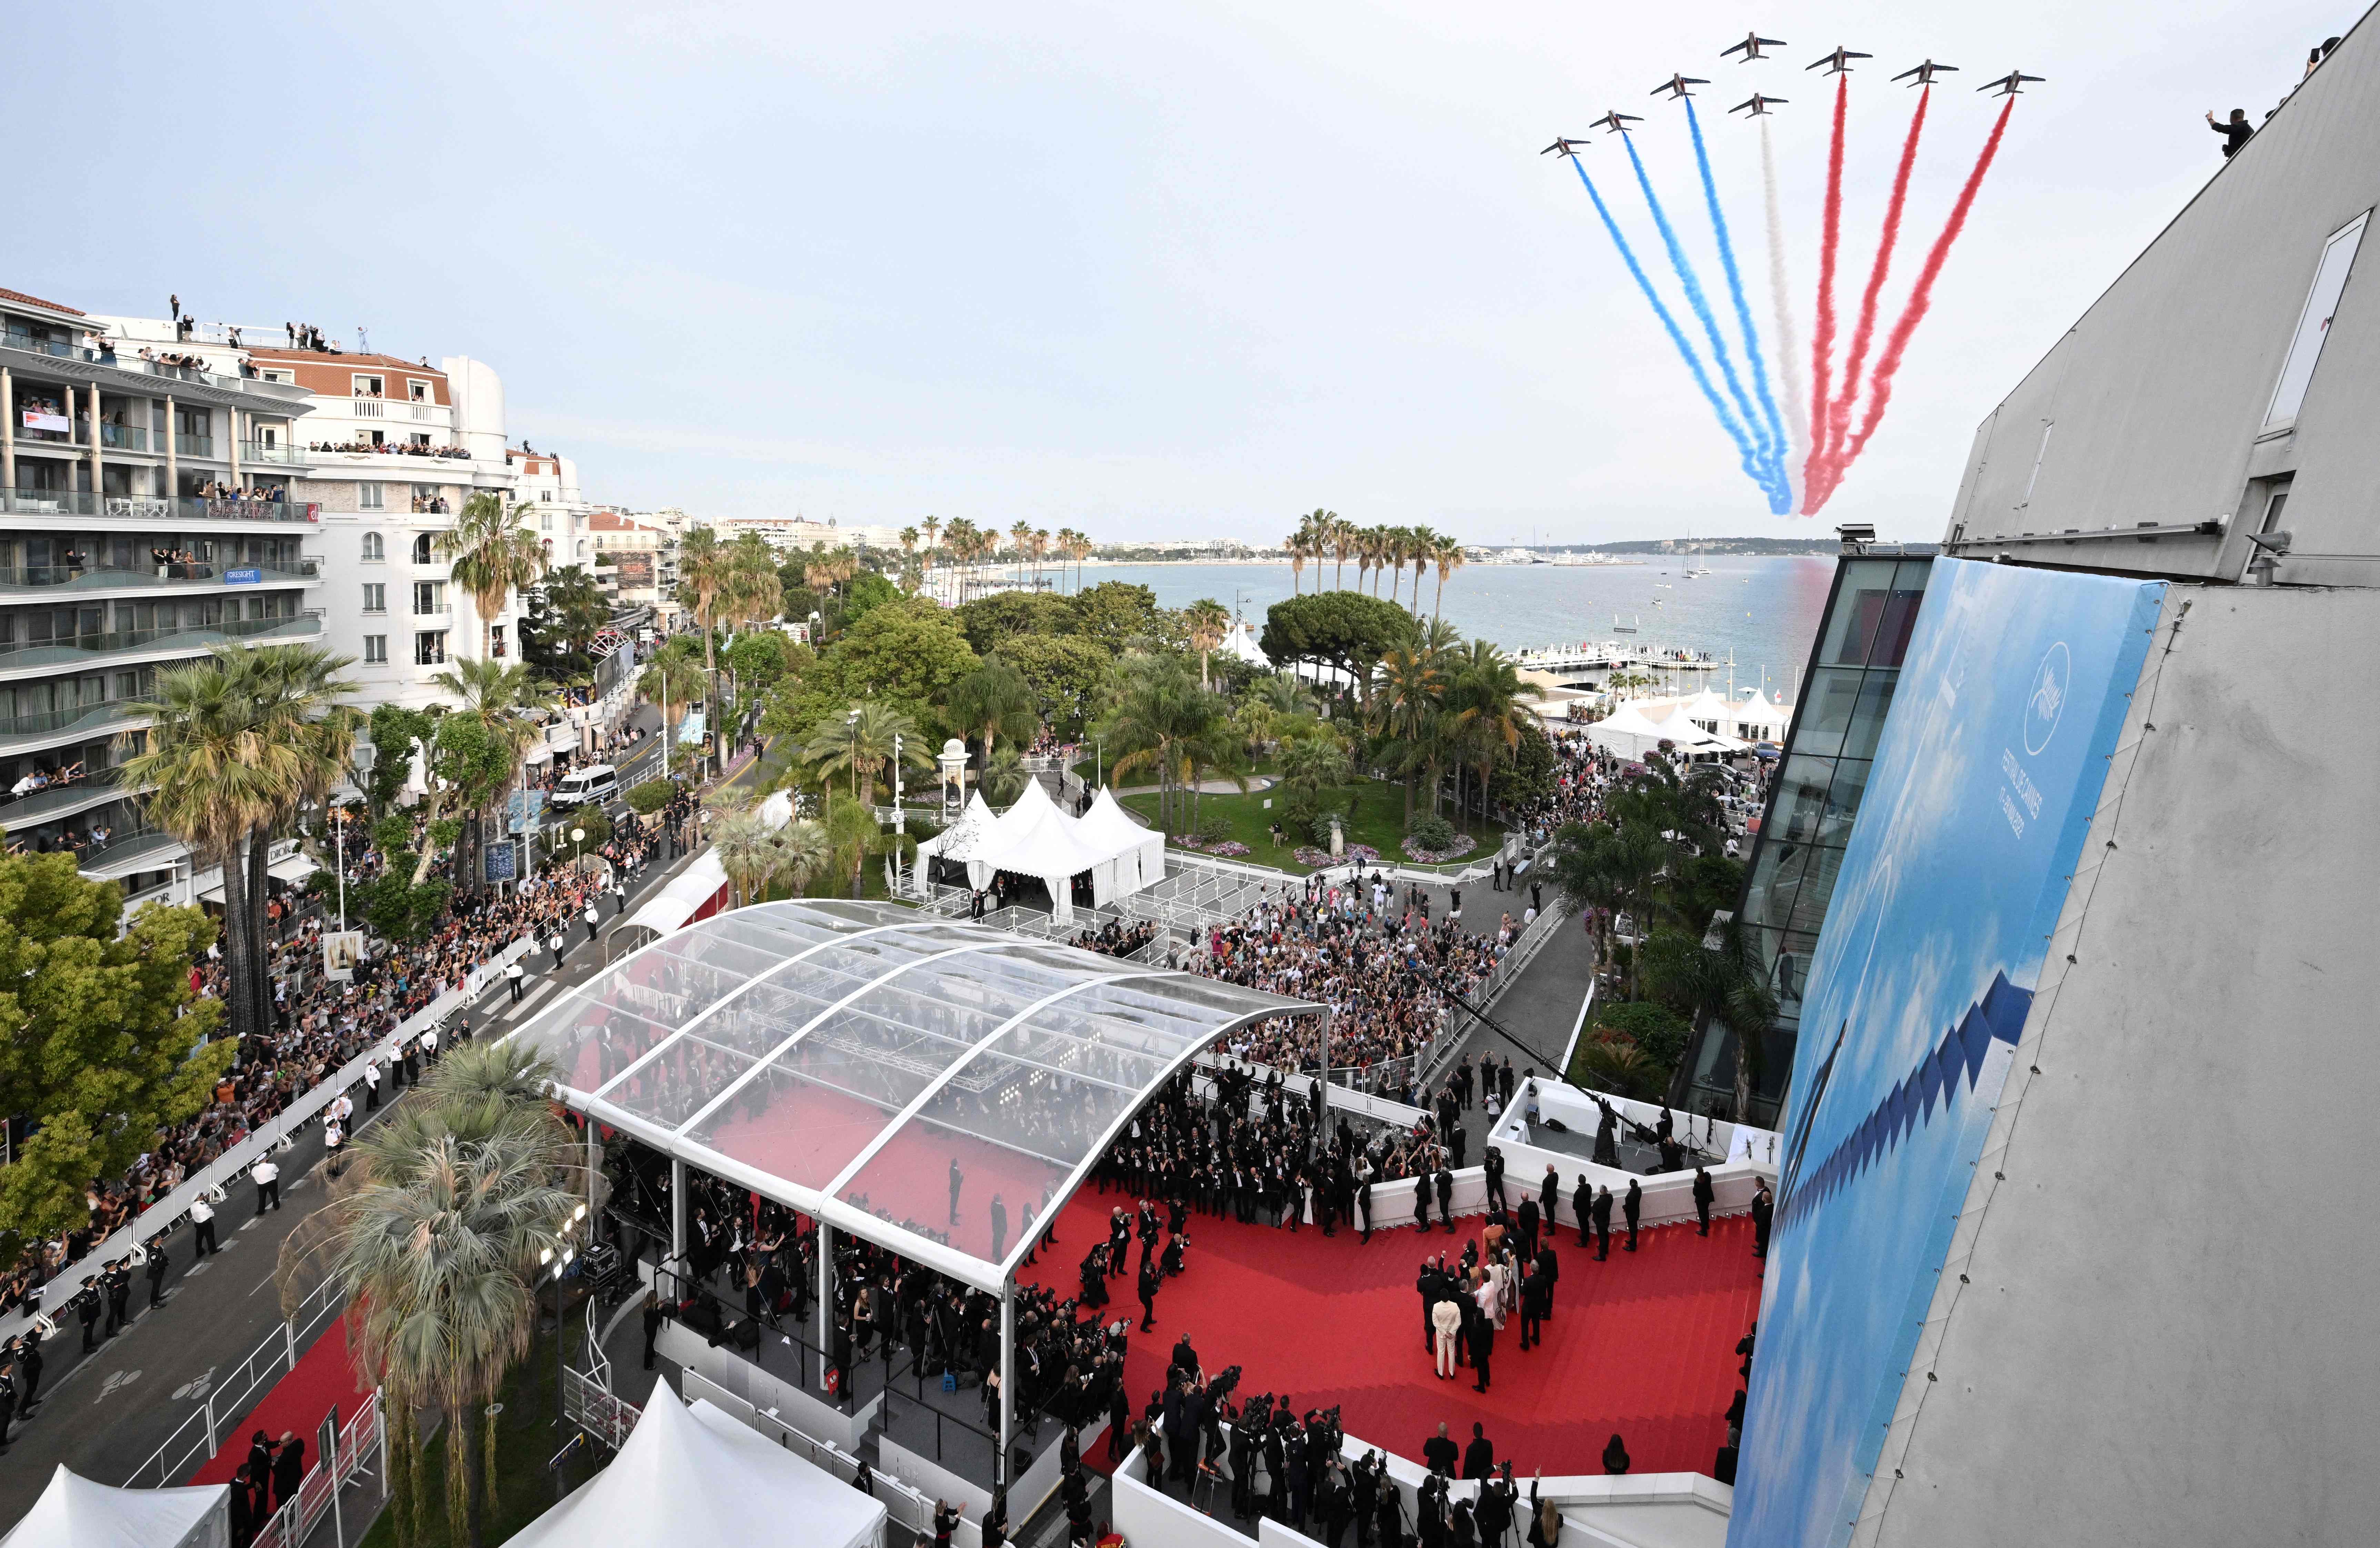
[
  {"x": 1345, "y": 630},
  {"x": 101, "y": 1034}
]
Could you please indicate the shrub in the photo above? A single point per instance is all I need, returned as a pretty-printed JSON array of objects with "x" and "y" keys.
[
  {"x": 651, "y": 796},
  {"x": 1430, "y": 832},
  {"x": 1658, "y": 1030}
]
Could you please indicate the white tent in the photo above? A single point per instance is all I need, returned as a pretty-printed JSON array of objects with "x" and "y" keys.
[
  {"x": 1139, "y": 851},
  {"x": 695, "y": 1476},
  {"x": 959, "y": 842},
  {"x": 76, "y": 1513},
  {"x": 1640, "y": 726},
  {"x": 1034, "y": 838}
]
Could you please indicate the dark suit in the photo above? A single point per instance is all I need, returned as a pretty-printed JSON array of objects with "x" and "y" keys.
[
  {"x": 1527, "y": 1215},
  {"x": 1483, "y": 1345},
  {"x": 1602, "y": 1216},
  {"x": 1446, "y": 1198},
  {"x": 1632, "y": 1206},
  {"x": 1479, "y": 1459}
]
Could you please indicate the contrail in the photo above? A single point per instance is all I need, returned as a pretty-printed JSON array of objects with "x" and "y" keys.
[
  {"x": 1789, "y": 351},
  {"x": 1822, "y": 345},
  {"x": 1839, "y": 414},
  {"x": 1755, "y": 443},
  {"x": 1780, "y": 491},
  {"x": 1677, "y": 335},
  {"x": 1888, "y": 365}
]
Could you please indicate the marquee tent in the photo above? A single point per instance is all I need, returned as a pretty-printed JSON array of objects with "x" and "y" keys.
[
  {"x": 74, "y": 1512},
  {"x": 958, "y": 843},
  {"x": 1034, "y": 838},
  {"x": 693, "y": 1475},
  {"x": 699, "y": 890},
  {"x": 1639, "y": 728},
  {"x": 1139, "y": 851}
]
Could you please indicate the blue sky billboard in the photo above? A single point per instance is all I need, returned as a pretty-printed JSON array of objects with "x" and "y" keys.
[{"x": 1992, "y": 762}]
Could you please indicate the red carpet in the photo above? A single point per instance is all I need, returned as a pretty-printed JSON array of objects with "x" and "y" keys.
[
  {"x": 1642, "y": 1344},
  {"x": 294, "y": 1404}
]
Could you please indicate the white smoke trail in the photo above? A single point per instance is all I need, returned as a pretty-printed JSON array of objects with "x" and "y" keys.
[{"x": 1791, "y": 366}]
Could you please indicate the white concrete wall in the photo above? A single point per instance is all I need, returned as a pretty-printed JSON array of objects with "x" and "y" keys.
[{"x": 2153, "y": 1324}]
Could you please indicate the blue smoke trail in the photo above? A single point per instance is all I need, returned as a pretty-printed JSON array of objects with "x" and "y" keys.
[
  {"x": 1778, "y": 488},
  {"x": 1677, "y": 335},
  {"x": 1762, "y": 457}
]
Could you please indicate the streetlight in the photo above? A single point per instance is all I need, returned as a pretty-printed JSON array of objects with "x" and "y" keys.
[{"x": 360, "y": 757}]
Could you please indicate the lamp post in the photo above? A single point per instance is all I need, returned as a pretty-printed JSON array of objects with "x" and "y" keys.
[
  {"x": 360, "y": 757},
  {"x": 900, "y": 814}
]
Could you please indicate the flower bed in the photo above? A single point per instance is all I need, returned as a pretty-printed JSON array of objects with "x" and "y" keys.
[
  {"x": 1463, "y": 844},
  {"x": 1222, "y": 848},
  {"x": 1359, "y": 854}
]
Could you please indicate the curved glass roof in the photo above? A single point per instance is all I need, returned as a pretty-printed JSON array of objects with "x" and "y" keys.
[{"x": 845, "y": 1057}]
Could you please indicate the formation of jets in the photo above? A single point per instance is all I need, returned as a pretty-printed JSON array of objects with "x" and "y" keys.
[{"x": 1838, "y": 62}]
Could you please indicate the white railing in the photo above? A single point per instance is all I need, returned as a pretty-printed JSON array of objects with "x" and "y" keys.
[
  {"x": 167, "y": 1212},
  {"x": 367, "y": 407},
  {"x": 196, "y": 1439},
  {"x": 319, "y": 1495},
  {"x": 592, "y": 1406}
]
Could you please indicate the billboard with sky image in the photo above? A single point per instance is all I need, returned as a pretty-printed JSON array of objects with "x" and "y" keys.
[{"x": 1992, "y": 762}]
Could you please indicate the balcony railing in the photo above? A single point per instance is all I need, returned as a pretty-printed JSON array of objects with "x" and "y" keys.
[
  {"x": 195, "y": 445},
  {"x": 150, "y": 507},
  {"x": 253, "y": 451},
  {"x": 130, "y": 359},
  {"x": 101, "y": 577},
  {"x": 124, "y": 437},
  {"x": 81, "y": 648},
  {"x": 49, "y": 723},
  {"x": 15, "y": 811},
  {"x": 127, "y": 843}
]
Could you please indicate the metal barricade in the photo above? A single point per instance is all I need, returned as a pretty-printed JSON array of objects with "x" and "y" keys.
[{"x": 198, "y": 1436}]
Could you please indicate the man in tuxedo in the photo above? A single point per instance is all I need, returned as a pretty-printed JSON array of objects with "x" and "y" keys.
[
  {"x": 1446, "y": 1195},
  {"x": 1632, "y": 1206},
  {"x": 1763, "y": 1213},
  {"x": 1527, "y": 1220},
  {"x": 1704, "y": 1193},
  {"x": 1602, "y": 1213}
]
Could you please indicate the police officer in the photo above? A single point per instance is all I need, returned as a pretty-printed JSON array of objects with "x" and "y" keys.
[
  {"x": 267, "y": 1177},
  {"x": 86, "y": 1309},
  {"x": 203, "y": 1221},
  {"x": 119, "y": 1296},
  {"x": 28, "y": 1356},
  {"x": 158, "y": 1263}
]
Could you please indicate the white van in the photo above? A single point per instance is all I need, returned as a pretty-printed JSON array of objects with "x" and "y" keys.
[{"x": 592, "y": 786}]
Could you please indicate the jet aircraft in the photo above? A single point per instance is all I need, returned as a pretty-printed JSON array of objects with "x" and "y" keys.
[
  {"x": 1616, "y": 121},
  {"x": 2010, "y": 84},
  {"x": 1759, "y": 106},
  {"x": 1924, "y": 73},
  {"x": 1751, "y": 46},
  {"x": 1676, "y": 85},
  {"x": 1566, "y": 146},
  {"x": 1837, "y": 63}
]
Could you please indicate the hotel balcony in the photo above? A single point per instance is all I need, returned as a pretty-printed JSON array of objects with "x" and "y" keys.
[
  {"x": 55, "y": 503},
  {"x": 42, "y": 582},
  {"x": 82, "y": 651}
]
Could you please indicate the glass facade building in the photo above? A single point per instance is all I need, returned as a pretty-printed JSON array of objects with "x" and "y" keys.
[{"x": 1854, "y": 667}]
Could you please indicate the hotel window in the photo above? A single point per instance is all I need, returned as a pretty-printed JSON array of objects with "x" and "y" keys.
[
  {"x": 375, "y": 549},
  {"x": 416, "y": 389},
  {"x": 376, "y": 597},
  {"x": 376, "y": 649},
  {"x": 422, "y": 552},
  {"x": 420, "y": 438},
  {"x": 429, "y": 598},
  {"x": 368, "y": 498},
  {"x": 367, "y": 386},
  {"x": 430, "y": 647},
  {"x": 2314, "y": 323}
]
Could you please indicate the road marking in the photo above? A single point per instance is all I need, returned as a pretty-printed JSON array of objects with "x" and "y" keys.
[
  {"x": 528, "y": 1000},
  {"x": 115, "y": 1379},
  {"x": 197, "y": 1388},
  {"x": 201, "y": 1266}
]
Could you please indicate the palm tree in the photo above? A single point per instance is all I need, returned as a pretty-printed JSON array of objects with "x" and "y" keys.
[
  {"x": 757, "y": 857},
  {"x": 1208, "y": 625},
  {"x": 933, "y": 529},
  {"x": 1447, "y": 555},
  {"x": 502, "y": 697},
  {"x": 962, "y": 546},
  {"x": 1408, "y": 710},
  {"x": 1004, "y": 776},
  {"x": 851, "y": 834},
  {"x": 1485, "y": 701},
  {"x": 861, "y": 742},
  {"x": 1599, "y": 866},
  {"x": 1419, "y": 554},
  {"x": 1020, "y": 541},
  {"x": 1161, "y": 721},
  {"x": 994, "y": 701},
  {"x": 674, "y": 676},
  {"x": 1294, "y": 544},
  {"x": 491, "y": 557},
  {"x": 438, "y": 1245}
]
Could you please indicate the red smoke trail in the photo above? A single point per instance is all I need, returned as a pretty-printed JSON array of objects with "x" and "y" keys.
[
  {"x": 1822, "y": 342},
  {"x": 1889, "y": 364},
  {"x": 1839, "y": 418}
]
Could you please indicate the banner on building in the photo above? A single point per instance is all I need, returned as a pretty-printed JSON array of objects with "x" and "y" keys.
[
  {"x": 502, "y": 860},
  {"x": 1991, "y": 764},
  {"x": 343, "y": 950}
]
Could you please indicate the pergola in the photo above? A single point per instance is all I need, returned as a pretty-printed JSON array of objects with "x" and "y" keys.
[{"x": 938, "y": 1087}]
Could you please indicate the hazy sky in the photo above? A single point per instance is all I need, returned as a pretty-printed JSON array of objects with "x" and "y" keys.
[{"x": 1143, "y": 270}]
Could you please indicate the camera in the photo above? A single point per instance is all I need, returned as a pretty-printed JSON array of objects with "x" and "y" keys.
[{"x": 1221, "y": 1387}]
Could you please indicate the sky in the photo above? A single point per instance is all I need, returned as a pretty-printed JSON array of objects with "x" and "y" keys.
[{"x": 1147, "y": 271}]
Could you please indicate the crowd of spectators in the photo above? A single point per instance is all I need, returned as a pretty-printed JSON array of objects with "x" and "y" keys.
[
  {"x": 320, "y": 1025},
  {"x": 389, "y": 448}
]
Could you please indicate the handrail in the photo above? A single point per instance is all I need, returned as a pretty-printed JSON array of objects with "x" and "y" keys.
[{"x": 291, "y": 1525}]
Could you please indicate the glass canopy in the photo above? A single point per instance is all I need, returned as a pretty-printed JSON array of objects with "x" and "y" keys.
[{"x": 936, "y": 1086}]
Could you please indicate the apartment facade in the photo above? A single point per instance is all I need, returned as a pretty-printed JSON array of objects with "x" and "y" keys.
[{"x": 154, "y": 503}]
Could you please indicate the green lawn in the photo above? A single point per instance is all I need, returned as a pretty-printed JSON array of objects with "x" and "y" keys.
[{"x": 1378, "y": 820}]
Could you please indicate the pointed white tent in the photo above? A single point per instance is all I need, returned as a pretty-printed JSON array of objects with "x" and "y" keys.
[
  {"x": 76, "y": 1513},
  {"x": 1034, "y": 838},
  {"x": 1140, "y": 852},
  {"x": 959, "y": 842},
  {"x": 696, "y": 1477}
]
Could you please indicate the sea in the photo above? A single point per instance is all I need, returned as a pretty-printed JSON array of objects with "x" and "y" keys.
[{"x": 1760, "y": 613}]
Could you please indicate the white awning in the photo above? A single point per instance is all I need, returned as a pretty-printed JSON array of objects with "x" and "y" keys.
[{"x": 75, "y": 1512}]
